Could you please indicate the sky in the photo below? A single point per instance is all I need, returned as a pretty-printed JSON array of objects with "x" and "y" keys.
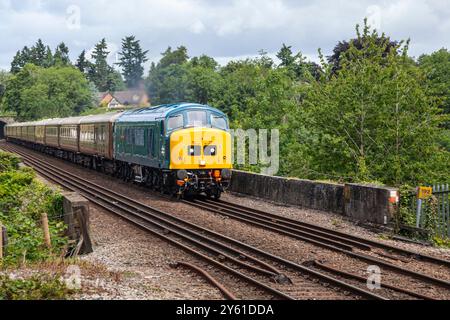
[{"x": 224, "y": 29}]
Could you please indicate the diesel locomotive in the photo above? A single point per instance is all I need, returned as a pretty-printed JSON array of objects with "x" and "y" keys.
[{"x": 181, "y": 149}]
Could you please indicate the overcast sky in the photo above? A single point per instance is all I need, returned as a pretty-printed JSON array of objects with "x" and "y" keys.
[{"x": 224, "y": 29}]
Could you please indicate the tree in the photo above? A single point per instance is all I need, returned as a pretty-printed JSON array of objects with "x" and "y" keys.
[
  {"x": 297, "y": 64},
  {"x": 168, "y": 80},
  {"x": 48, "y": 60},
  {"x": 286, "y": 56},
  {"x": 177, "y": 57},
  {"x": 132, "y": 59},
  {"x": 376, "y": 120},
  {"x": 61, "y": 57},
  {"x": 17, "y": 63},
  {"x": 100, "y": 68},
  {"x": 38, "y": 54},
  {"x": 82, "y": 63},
  {"x": 437, "y": 69},
  {"x": 343, "y": 46},
  {"x": 36, "y": 92},
  {"x": 4, "y": 78},
  {"x": 203, "y": 80},
  {"x": 115, "y": 82}
]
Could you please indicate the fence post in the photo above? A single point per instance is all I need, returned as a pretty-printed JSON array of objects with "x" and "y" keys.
[
  {"x": 418, "y": 212},
  {"x": 45, "y": 228}
]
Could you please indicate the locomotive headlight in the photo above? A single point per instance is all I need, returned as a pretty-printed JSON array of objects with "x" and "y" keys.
[{"x": 163, "y": 150}]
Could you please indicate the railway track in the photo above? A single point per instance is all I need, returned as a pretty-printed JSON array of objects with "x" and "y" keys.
[
  {"x": 262, "y": 266},
  {"x": 265, "y": 218},
  {"x": 277, "y": 277},
  {"x": 330, "y": 239}
]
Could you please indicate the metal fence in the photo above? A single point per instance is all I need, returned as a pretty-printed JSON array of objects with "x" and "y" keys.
[{"x": 441, "y": 193}]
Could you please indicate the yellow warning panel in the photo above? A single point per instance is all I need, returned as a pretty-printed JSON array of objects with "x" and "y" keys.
[{"x": 424, "y": 192}]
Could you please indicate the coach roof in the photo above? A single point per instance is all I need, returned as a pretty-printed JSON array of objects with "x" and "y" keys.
[{"x": 101, "y": 118}]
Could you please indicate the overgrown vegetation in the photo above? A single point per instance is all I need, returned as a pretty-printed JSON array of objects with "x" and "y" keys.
[
  {"x": 37, "y": 287},
  {"x": 434, "y": 228},
  {"x": 22, "y": 200}
]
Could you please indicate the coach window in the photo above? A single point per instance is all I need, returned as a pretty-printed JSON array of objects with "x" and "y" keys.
[{"x": 175, "y": 122}]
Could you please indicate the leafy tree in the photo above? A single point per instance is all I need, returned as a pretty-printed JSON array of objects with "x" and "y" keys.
[
  {"x": 343, "y": 46},
  {"x": 203, "y": 80},
  {"x": 61, "y": 57},
  {"x": 115, "y": 81},
  {"x": 82, "y": 63},
  {"x": 36, "y": 92},
  {"x": 4, "y": 77},
  {"x": 286, "y": 56},
  {"x": 375, "y": 120},
  {"x": 437, "y": 68},
  {"x": 168, "y": 80},
  {"x": 297, "y": 64},
  {"x": 132, "y": 59},
  {"x": 239, "y": 82},
  {"x": 272, "y": 105},
  {"x": 176, "y": 57}
]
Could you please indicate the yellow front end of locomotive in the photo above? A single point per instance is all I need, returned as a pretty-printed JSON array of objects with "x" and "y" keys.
[{"x": 200, "y": 148}]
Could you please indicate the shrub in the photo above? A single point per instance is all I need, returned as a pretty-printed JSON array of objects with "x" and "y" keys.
[
  {"x": 34, "y": 288},
  {"x": 22, "y": 201},
  {"x": 8, "y": 161}
]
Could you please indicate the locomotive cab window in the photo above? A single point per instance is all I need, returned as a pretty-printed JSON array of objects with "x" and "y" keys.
[
  {"x": 219, "y": 122},
  {"x": 175, "y": 122},
  {"x": 196, "y": 119}
]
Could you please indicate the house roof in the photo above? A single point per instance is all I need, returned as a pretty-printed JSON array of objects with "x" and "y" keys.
[
  {"x": 130, "y": 97},
  {"x": 100, "y": 96}
]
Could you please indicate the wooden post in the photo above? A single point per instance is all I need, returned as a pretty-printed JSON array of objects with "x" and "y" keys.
[{"x": 44, "y": 220}]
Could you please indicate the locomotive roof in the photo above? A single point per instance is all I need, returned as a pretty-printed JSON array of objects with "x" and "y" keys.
[{"x": 161, "y": 112}]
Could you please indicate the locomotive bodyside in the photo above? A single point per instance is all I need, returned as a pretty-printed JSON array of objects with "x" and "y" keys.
[{"x": 184, "y": 147}]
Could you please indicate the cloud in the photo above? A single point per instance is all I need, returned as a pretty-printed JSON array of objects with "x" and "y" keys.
[{"x": 223, "y": 28}]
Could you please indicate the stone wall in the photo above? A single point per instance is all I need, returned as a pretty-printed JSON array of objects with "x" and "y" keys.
[{"x": 359, "y": 202}]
